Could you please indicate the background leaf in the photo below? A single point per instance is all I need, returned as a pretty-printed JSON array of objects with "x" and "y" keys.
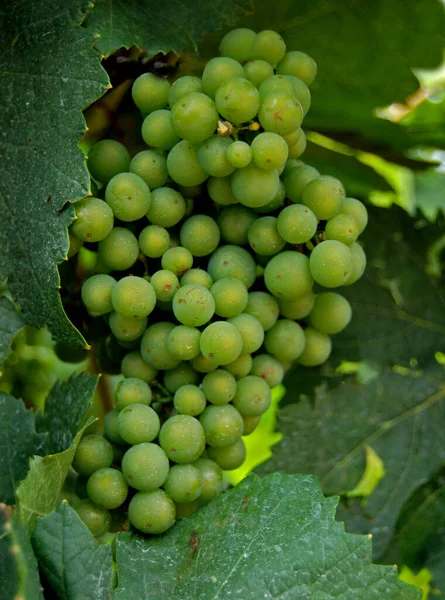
[{"x": 11, "y": 323}]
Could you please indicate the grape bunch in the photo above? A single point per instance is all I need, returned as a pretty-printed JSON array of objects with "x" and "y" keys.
[{"x": 208, "y": 245}]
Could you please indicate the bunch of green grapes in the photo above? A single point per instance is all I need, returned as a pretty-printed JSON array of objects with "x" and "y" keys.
[{"x": 208, "y": 245}]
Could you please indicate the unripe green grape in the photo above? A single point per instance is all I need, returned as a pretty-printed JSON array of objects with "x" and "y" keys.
[
  {"x": 263, "y": 307},
  {"x": 92, "y": 453},
  {"x": 167, "y": 207},
  {"x": 128, "y": 196},
  {"x": 298, "y": 308},
  {"x": 150, "y": 92},
  {"x": 250, "y": 424},
  {"x": 331, "y": 263},
  {"x": 234, "y": 222},
  {"x": 268, "y": 45},
  {"x": 193, "y": 305},
  {"x": 229, "y": 457},
  {"x": 219, "y": 387},
  {"x": 74, "y": 245},
  {"x": 269, "y": 151},
  {"x": 196, "y": 276},
  {"x": 132, "y": 391},
  {"x": 154, "y": 348},
  {"x": 182, "y": 439},
  {"x": 183, "y": 342},
  {"x": 285, "y": 340},
  {"x": 251, "y": 332},
  {"x": 107, "y": 488},
  {"x": 317, "y": 348},
  {"x": 182, "y": 87},
  {"x": 189, "y": 400},
  {"x": 220, "y": 191},
  {"x": 268, "y": 368},
  {"x": 296, "y": 180},
  {"x": 178, "y": 260},
  {"x": 133, "y": 297},
  {"x": 237, "y": 44},
  {"x": 183, "y": 483},
  {"x": 194, "y": 117},
  {"x": 96, "y": 293},
  {"x": 200, "y": 235},
  {"x": 221, "y": 342},
  {"x": 232, "y": 261},
  {"x": 287, "y": 276},
  {"x": 355, "y": 208},
  {"x": 151, "y": 167},
  {"x": 154, "y": 240},
  {"x": 237, "y": 100},
  {"x": 201, "y": 364},
  {"x": 183, "y": 164},
  {"x": 240, "y": 367},
  {"x": 230, "y": 295},
  {"x": 343, "y": 228},
  {"x": 165, "y": 285},
  {"x": 98, "y": 520},
  {"x": 145, "y": 466},
  {"x": 256, "y": 71},
  {"x": 299, "y": 147},
  {"x": 133, "y": 365},
  {"x": 211, "y": 477},
  {"x": 264, "y": 237},
  {"x": 157, "y": 130},
  {"x": 276, "y": 203},
  {"x": 324, "y": 196},
  {"x": 291, "y": 139},
  {"x": 94, "y": 220},
  {"x": 111, "y": 427},
  {"x": 254, "y": 187},
  {"x": 212, "y": 156},
  {"x": 106, "y": 159},
  {"x": 152, "y": 512},
  {"x": 331, "y": 313},
  {"x": 186, "y": 509},
  {"x": 280, "y": 112},
  {"x": 119, "y": 250},
  {"x": 358, "y": 263},
  {"x": 127, "y": 329},
  {"x": 181, "y": 375},
  {"x": 299, "y": 64},
  {"x": 297, "y": 224},
  {"x": 276, "y": 83},
  {"x": 239, "y": 154},
  {"x": 253, "y": 396},
  {"x": 301, "y": 91},
  {"x": 222, "y": 425},
  {"x": 217, "y": 71},
  {"x": 138, "y": 423}
]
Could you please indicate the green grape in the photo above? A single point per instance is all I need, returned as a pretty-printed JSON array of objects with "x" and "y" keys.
[
  {"x": 178, "y": 260},
  {"x": 253, "y": 396},
  {"x": 238, "y": 154},
  {"x": 151, "y": 167},
  {"x": 331, "y": 263},
  {"x": 197, "y": 276},
  {"x": 152, "y": 512},
  {"x": 186, "y": 509},
  {"x": 280, "y": 112},
  {"x": 237, "y": 43},
  {"x": 110, "y": 426},
  {"x": 264, "y": 237},
  {"x": 181, "y": 375},
  {"x": 230, "y": 295},
  {"x": 154, "y": 348},
  {"x": 276, "y": 83},
  {"x": 128, "y": 196},
  {"x": 297, "y": 224},
  {"x": 138, "y": 423},
  {"x": 200, "y": 235},
  {"x": 189, "y": 400},
  {"x": 251, "y": 332},
  {"x": 183, "y": 164},
  {"x": 154, "y": 240},
  {"x": 132, "y": 391},
  {"x": 299, "y": 147},
  {"x": 293, "y": 163},
  {"x": 212, "y": 156},
  {"x": 343, "y": 228},
  {"x": 133, "y": 297},
  {"x": 268, "y": 368},
  {"x": 254, "y": 187},
  {"x": 96, "y": 293},
  {"x": 194, "y": 117},
  {"x": 269, "y": 151},
  {"x": 182, "y": 439},
  {"x": 256, "y": 71},
  {"x": 201, "y": 364},
  {"x": 145, "y": 466},
  {"x": 211, "y": 477},
  {"x": 296, "y": 180},
  {"x": 297, "y": 309},
  {"x": 183, "y": 342},
  {"x": 133, "y": 365},
  {"x": 291, "y": 139},
  {"x": 106, "y": 159},
  {"x": 150, "y": 92},
  {"x": 324, "y": 196},
  {"x": 74, "y": 245},
  {"x": 268, "y": 45},
  {"x": 232, "y": 261},
  {"x": 107, "y": 488},
  {"x": 250, "y": 424},
  {"x": 165, "y": 285},
  {"x": 298, "y": 64},
  {"x": 183, "y": 483},
  {"x": 356, "y": 209},
  {"x": 157, "y": 130},
  {"x": 127, "y": 329},
  {"x": 287, "y": 276},
  {"x": 98, "y": 520},
  {"x": 222, "y": 425},
  {"x": 219, "y": 387},
  {"x": 317, "y": 348},
  {"x": 221, "y": 342},
  {"x": 274, "y": 204},
  {"x": 234, "y": 223},
  {"x": 119, "y": 250},
  {"x": 237, "y": 100},
  {"x": 285, "y": 340},
  {"x": 331, "y": 313},
  {"x": 94, "y": 220},
  {"x": 229, "y": 457},
  {"x": 220, "y": 191},
  {"x": 301, "y": 92},
  {"x": 263, "y": 307},
  {"x": 240, "y": 367},
  {"x": 182, "y": 87},
  {"x": 358, "y": 263},
  {"x": 93, "y": 453},
  {"x": 167, "y": 207},
  {"x": 193, "y": 305},
  {"x": 217, "y": 71}
]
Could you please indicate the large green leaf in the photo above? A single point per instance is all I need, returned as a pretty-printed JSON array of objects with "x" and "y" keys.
[
  {"x": 271, "y": 538},
  {"x": 430, "y": 195},
  {"x": 49, "y": 73},
  {"x": 10, "y": 324}
]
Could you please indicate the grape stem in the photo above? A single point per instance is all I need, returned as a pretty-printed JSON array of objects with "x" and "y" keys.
[{"x": 103, "y": 387}]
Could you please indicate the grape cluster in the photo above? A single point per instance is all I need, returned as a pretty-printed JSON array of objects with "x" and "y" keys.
[{"x": 209, "y": 243}]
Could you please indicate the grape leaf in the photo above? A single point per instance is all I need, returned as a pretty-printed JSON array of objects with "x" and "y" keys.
[
  {"x": 74, "y": 564},
  {"x": 270, "y": 538},
  {"x": 435, "y": 560},
  {"x": 50, "y": 72},
  {"x": 429, "y": 186},
  {"x": 18, "y": 442},
  {"x": 10, "y": 324}
]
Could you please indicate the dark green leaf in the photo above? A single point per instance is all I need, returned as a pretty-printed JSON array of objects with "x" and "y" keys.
[
  {"x": 10, "y": 324},
  {"x": 430, "y": 195},
  {"x": 435, "y": 560}
]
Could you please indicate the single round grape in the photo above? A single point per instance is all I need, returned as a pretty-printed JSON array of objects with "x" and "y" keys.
[
  {"x": 220, "y": 191},
  {"x": 250, "y": 424},
  {"x": 287, "y": 276},
  {"x": 234, "y": 222},
  {"x": 276, "y": 83},
  {"x": 165, "y": 285},
  {"x": 264, "y": 237},
  {"x": 343, "y": 228},
  {"x": 182, "y": 439},
  {"x": 296, "y": 180},
  {"x": 194, "y": 117},
  {"x": 240, "y": 367},
  {"x": 106, "y": 159},
  {"x": 331, "y": 263},
  {"x": 111, "y": 428},
  {"x": 268, "y": 45},
  {"x": 193, "y": 305},
  {"x": 254, "y": 187},
  {"x": 217, "y": 71},
  {"x": 183, "y": 342},
  {"x": 238, "y": 154},
  {"x": 107, "y": 488},
  {"x": 221, "y": 342},
  {"x": 182, "y": 87},
  {"x": 299, "y": 147},
  {"x": 132, "y": 391},
  {"x": 232, "y": 261},
  {"x": 291, "y": 139},
  {"x": 358, "y": 263},
  {"x": 219, "y": 387},
  {"x": 150, "y": 92},
  {"x": 229, "y": 457},
  {"x": 297, "y": 224},
  {"x": 256, "y": 71},
  {"x": 269, "y": 151},
  {"x": 133, "y": 297},
  {"x": 128, "y": 196},
  {"x": 96, "y": 293},
  {"x": 119, "y": 250},
  {"x": 93, "y": 452},
  {"x": 183, "y": 483},
  {"x": 237, "y": 44},
  {"x": 133, "y": 365},
  {"x": 200, "y": 234},
  {"x": 201, "y": 364},
  {"x": 183, "y": 164},
  {"x": 197, "y": 276},
  {"x": 331, "y": 313},
  {"x": 98, "y": 520},
  {"x": 152, "y": 512},
  {"x": 151, "y": 167},
  {"x": 253, "y": 396},
  {"x": 280, "y": 112},
  {"x": 317, "y": 348},
  {"x": 324, "y": 196},
  {"x": 154, "y": 348},
  {"x": 263, "y": 307},
  {"x": 299, "y": 64},
  {"x": 237, "y": 100},
  {"x": 285, "y": 340},
  {"x": 127, "y": 329},
  {"x": 138, "y": 423},
  {"x": 74, "y": 244},
  {"x": 178, "y": 260},
  {"x": 251, "y": 332},
  {"x": 154, "y": 240},
  {"x": 145, "y": 466},
  {"x": 167, "y": 207},
  {"x": 268, "y": 368},
  {"x": 212, "y": 156},
  {"x": 222, "y": 425},
  {"x": 183, "y": 374},
  {"x": 189, "y": 400},
  {"x": 157, "y": 130},
  {"x": 301, "y": 91},
  {"x": 94, "y": 220},
  {"x": 230, "y": 295},
  {"x": 297, "y": 309},
  {"x": 211, "y": 477},
  {"x": 356, "y": 209}
]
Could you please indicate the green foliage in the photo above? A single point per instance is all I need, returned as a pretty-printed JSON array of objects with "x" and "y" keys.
[{"x": 11, "y": 323}]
